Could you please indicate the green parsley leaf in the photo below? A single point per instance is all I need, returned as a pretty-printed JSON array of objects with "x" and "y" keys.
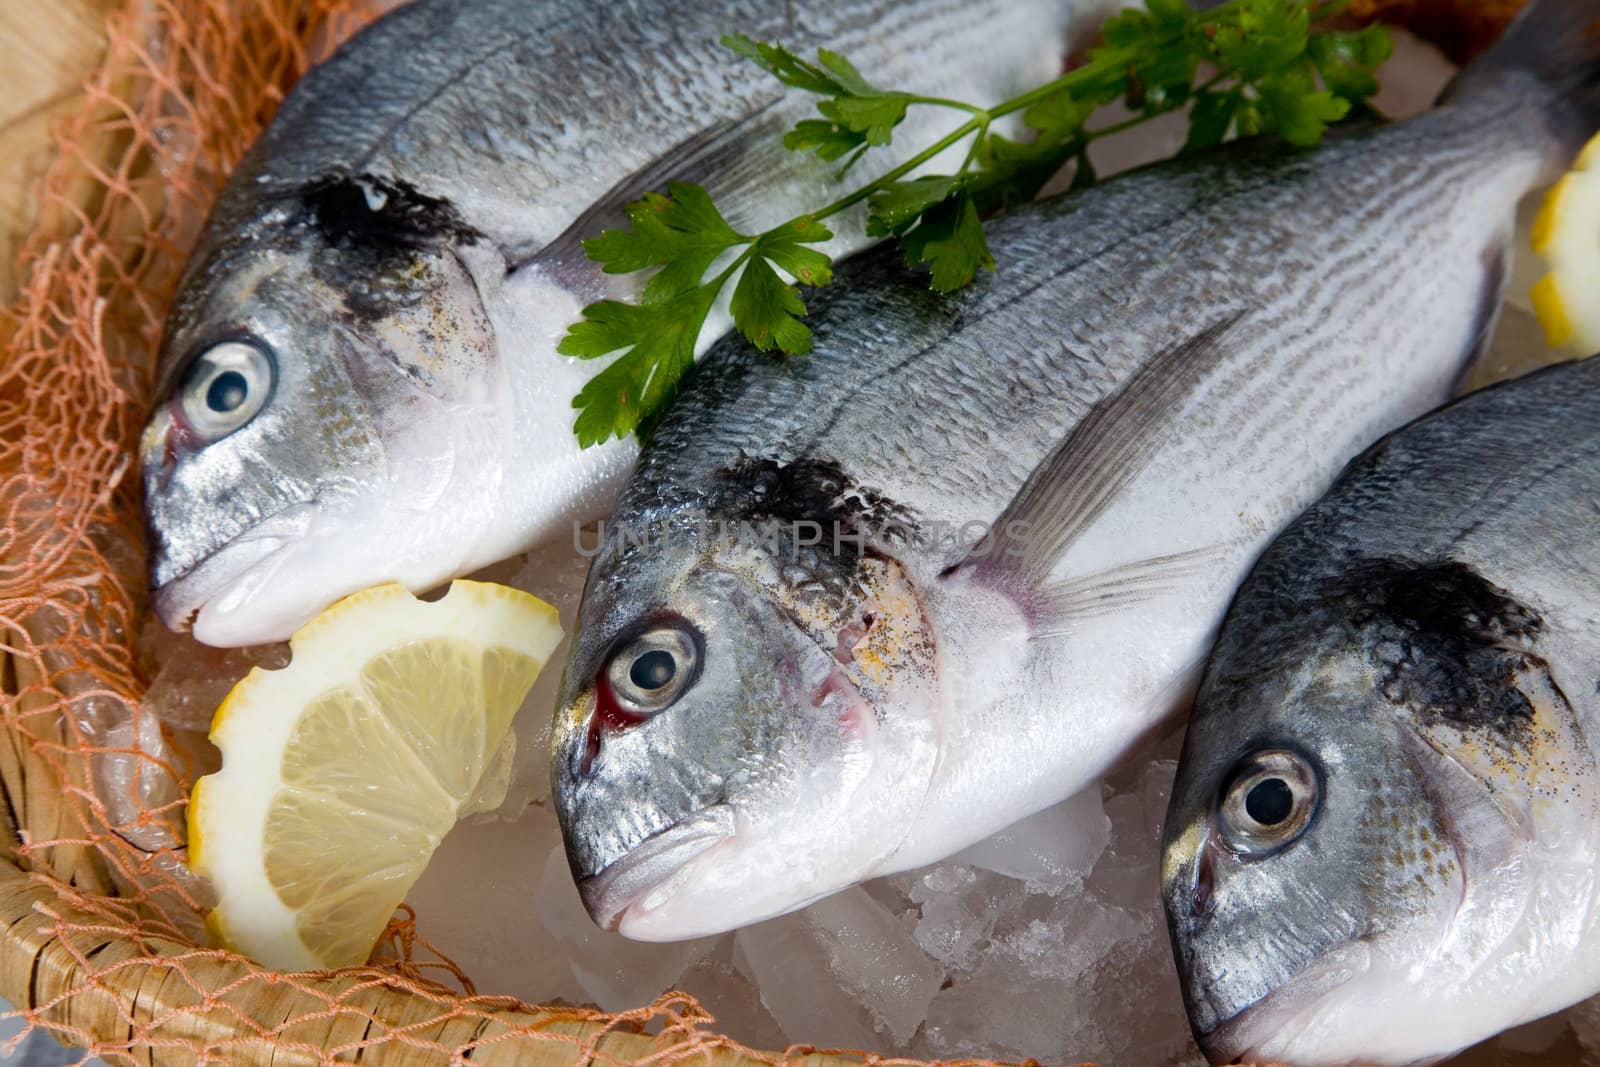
[
  {"x": 785, "y": 246},
  {"x": 657, "y": 343},
  {"x": 1267, "y": 36},
  {"x": 829, "y": 140},
  {"x": 896, "y": 207},
  {"x": 1346, "y": 61},
  {"x": 767, "y": 310},
  {"x": 858, "y": 114},
  {"x": 683, "y": 233},
  {"x": 1012, "y": 172},
  {"x": 784, "y": 65},
  {"x": 1067, "y": 111},
  {"x": 1210, "y": 119},
  {"x": 950, "y": 240},
  {"x": 846, "y": 75},
  {"x": 1299, "y": 112},
  {"x": 873, "y": 117}
]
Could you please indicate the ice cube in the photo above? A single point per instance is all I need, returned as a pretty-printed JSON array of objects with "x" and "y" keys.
[
  {"x": 616, "y": 974},
  {"x": 498, "y": 899},
  {"x": 477, "y": 903},
  {"x": 844, "y": 973},
  {"x": 136, "y": 774},
  {"x": 957, "y": 908},
  {"x": 734, "y": 1001},
  {"x": 790, "y": 968},
  {"x": 189, "y": 680},
  {"x": 998, "y": 1011},
  {"x": 1052, "y": 851}
]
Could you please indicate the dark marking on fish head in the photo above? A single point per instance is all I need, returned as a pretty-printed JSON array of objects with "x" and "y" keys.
[
  {"x": 383, "y": 214},
  {"x": 372, "y": 326},
  {"x": 814, "y": 695},
  {"x": 1436, "y": 733},
  {"x": 1448, "y": 644}
]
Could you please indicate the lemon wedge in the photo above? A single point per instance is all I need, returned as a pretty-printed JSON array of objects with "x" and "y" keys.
[
  {"x": 1566, "y": 235},
  {"x": 343, "y": 771}
]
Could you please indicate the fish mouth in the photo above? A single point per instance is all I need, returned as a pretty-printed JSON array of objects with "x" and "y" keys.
[
  {"x": 645, "y": 878},
  {"x": 179, "y": 600},
  {"x": 1263, "y": 1031}
]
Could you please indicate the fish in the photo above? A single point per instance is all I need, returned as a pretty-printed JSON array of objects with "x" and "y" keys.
[
  {"x": 857, "y": 611},
  {"x": 358, "y": 380},
  {"x": 1384, "y": 838}
]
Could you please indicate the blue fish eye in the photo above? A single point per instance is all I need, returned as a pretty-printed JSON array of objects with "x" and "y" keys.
[
  {"x": 653, "y": 670},
  {"x": 225, "y": 387},
  {"x": 1270, "y": 801},
  {"x": 228, "y": 390}
]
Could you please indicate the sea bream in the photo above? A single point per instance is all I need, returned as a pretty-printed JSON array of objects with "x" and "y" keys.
[
  {"x": 859, "y": 610},
  {"x": 358, "y": 381},
  {"x": 1384, "y": 842}
]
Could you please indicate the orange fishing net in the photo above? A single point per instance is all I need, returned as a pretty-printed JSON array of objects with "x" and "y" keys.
[{"x": 102, "y": 944}]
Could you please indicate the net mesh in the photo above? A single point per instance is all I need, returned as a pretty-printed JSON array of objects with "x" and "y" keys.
[{"x": 103, "y": 946}]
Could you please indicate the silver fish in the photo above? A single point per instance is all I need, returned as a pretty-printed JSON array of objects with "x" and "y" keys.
[
  {"x": 359, "y": 382},
  {"x": 1384, "y": 842},
  {"x": 859, "y": 610}
]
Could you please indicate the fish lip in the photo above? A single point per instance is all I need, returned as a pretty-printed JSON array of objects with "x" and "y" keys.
[
  {"x": 654, "y": 862},
  {"x": 179, "y": 600},
  {"x": 1241, "y": 1037}
]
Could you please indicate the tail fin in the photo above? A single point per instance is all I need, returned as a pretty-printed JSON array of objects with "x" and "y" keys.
[{"x": 1550, "y": 54}]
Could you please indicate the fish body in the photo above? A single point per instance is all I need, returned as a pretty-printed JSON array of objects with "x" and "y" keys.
[
  {"x": 1415, "y": 659},
  {"x": 358, "y": 381},
  {"x": 1062, "y": 474}
]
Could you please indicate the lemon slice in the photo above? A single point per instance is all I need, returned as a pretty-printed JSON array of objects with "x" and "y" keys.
[
  {"x": 1567, "y": 236},
  {"x": 342, "y": 771}
]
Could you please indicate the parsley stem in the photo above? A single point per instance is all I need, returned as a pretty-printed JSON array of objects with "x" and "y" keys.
[
  {"x": 954, "y": 105},
  {"x": 1115, "y": 128},
  {"x": 1104, "y": 63},
  {"x": 971, "y": 126}
]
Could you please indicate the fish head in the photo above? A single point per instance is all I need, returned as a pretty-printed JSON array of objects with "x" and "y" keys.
[
  {"x": 742, "y": 730},
  {"x": 325, "y": 398},
  {"x": 1346, "y": 854}
]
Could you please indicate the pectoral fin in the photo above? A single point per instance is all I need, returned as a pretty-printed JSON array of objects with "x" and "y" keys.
[
  {"x": 1079, "y": 479},
  {"x": 1084, "y": 473}
]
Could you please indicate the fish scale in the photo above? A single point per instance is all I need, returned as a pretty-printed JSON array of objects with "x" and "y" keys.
[
  {"x": 402, "y": 251},
  {"x": 945, "y": 381},
  {"x": 658, "y": 75},
  {"x": 1164, "y": 371}
]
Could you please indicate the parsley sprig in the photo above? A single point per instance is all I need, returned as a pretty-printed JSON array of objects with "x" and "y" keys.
[{"x": 1245, "y": 66}]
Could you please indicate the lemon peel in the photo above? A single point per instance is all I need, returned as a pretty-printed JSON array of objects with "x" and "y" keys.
[{"x": 343, "y": 771}]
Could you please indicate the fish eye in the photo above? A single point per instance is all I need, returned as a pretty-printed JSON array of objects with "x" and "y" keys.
[
  {"x": 652, "y": 670},
  {"x": 1269, "y": 801},
  {"x": 225, "y": 387}
]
